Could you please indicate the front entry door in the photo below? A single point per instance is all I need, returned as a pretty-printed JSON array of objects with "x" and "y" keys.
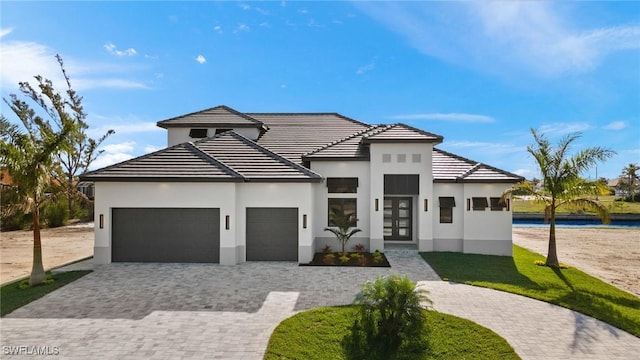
[{"x": 398, "y": 218}]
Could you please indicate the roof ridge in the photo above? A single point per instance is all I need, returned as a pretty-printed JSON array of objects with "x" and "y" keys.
[
  {"x": 311, "y": 113},
  {"x": 224, "y": 107},
  {"x": 212, "y": 160},
  {"x": 476, "y": 165},
  {"x": 420, "y": 131},
  {"x": 335, "y": 142},
  {"x": 274, "y": 155}
]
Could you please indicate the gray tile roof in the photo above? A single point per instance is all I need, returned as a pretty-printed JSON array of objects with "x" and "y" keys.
[
  {"x": 402, "y": 133},
  {"x": 293, "y": 134},
  {"x": 287, "y": 139},
  {"x": 448, "y": 167},
  {"x": 253, "y": 161},
  {"x": 227, "y": 157},
  {"x": 183, "y": 162},
  {"x": 220, "y": 116}
]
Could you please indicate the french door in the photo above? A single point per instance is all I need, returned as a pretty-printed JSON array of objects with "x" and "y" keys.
[{"x": 398, "y": 218}]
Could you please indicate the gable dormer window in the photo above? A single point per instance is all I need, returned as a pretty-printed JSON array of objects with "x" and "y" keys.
[
  {"x": 198, "y": 133},
  {"x": 220, "y": 131}
]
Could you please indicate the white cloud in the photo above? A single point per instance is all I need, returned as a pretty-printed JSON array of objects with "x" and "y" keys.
[
  {"x": 22, "y": 60},
  {"x": 133, "y": 127},
  {"x": 152, "y": 148},
  {"x": 114, "y": 153},
  {"x": 616, "y": 125},
  {"x": 242, "y": 28},
  {"x": 303, "y": 11},
  {"x": 201, "y": 59},
  {"x": 461, "y": 117},
  {"x": 563, "y": 128},
  {"x": 217, "y": 29},
  {"x": 497, "y": 37},
  {"x": 112, "y": 49},
  {"x": 244, "y": 6},
  {"x": 119, "y": 148},
  {"x": 5, "y": 31},
  {"x": 527, "y": 173},
  {"x": 265, "y": 25},
  {"x": 486, "y": 147},
  {"x": 365, "y": 68},
  {"x": 262, "y": 11}
]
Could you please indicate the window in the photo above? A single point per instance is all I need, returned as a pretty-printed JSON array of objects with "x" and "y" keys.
[
  {"x": 342, "y": 185},
  {"x": 402, "y": 158},
  {"x": 347, "y": 206},
  {"x": 479, "y": 203},
  {"x": 497, "y": 205},
  {"x": 447, "y": 204},
  {"x": 198, "y": 133},
  {"x": 401, "y": 184},
  {"x": 386, "y": 158},
  {"x": 220, "y": 131},
  {"x": 416, "y": 158}
]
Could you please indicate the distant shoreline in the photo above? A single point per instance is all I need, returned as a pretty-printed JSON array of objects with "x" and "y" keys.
[{"x": 576, "y": 217}]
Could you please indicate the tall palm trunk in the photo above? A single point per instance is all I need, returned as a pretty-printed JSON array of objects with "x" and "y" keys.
[
  {"x": 37, "y": 271},
  {"x": 552, "y": 254}
]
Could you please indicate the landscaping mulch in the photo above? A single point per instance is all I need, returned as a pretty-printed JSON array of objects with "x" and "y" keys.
[{"x": 363, "y": 259}]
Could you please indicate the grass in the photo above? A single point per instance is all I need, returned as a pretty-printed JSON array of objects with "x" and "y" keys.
[
  {"x": 319, "y": 333},
  {"x": 615, "y": 207},
  {"x": 570, "y": 288},
  {"x": 14, "y": 297}
]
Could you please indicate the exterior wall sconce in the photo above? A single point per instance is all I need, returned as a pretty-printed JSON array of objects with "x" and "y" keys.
[
  {"x": 376, "y": 206},
  {"x": 468, "y": 204},
  {"x": 227, "y": 222},
  {"x": 101, "y": 221},
  {"x": 304, "y": 221},
  {"x": 508, "y": 207},
  {"x": 426, "y": 204}
]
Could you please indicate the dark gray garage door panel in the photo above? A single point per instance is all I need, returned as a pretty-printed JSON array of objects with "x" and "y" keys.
[
  {"x": 165, "y": 235},
  {"x": 272, "y": 234}
]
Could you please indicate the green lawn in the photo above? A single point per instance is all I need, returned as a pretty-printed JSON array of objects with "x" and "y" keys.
[
  {"x": 570, "y": 288},
  {"x": 12, "y": 297},
  {"x": 319, "y": 333},
  {"x": 615, "y": 207}
]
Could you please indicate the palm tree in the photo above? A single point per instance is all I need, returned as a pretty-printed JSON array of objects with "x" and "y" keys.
[
  {"x": 562, "y": 185},
  {"x": 29, "y": 153},
  {"x": 631, "y": 173},
  {"x": 343, "y": 226}
]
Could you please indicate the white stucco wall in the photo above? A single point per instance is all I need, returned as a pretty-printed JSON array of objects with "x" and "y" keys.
[
  {"x": 487, "y": 232},
  {"x": 110, "y": 195},
  {"x": 329, "y": 169},
  {"x": 180, "y": 135},
  {"x": 448, "y": 237},
  {"x": 291, "y": 195},
  {"x": 423, "y": 221}
]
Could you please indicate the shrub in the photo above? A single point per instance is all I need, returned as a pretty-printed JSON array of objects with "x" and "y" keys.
[
  {"x": 56, "y": 214},
  {"x": 377, "y": 257},
  {"x": 326, "y": 249},
  {"x": 358, "y": 247},
  {"x": 329, "y": 259},
  {"x": 344, "y": 258},
  {"x": 391, "y": 316}
]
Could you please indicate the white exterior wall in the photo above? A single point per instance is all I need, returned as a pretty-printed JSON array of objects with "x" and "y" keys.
[
  {"x": 180, "y": 135},
  {"x": 293, "y": 195},
  {"x": 110, "y": 195},
  {"x": 423, "y": 222},
  {"x": 448, "y": 237},
  {"x": 329, "y": 169},
  {"x": 486, "y": 232}
]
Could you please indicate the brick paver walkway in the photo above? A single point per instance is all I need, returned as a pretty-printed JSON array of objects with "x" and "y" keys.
[{"x": 203, "y": 311}]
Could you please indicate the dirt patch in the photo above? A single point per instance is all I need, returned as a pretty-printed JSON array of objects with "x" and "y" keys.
[
  {"x": 610, "y": 254},
  {"x": 59, "y": 246}
]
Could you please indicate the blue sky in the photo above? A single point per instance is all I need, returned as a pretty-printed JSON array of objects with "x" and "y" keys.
[{"x": 479, "y": 73}]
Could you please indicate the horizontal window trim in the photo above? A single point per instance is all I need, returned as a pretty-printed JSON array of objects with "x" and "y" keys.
[
  {"x": 447, "y": 201},
  {"x": 479, "y": 203},
  {"x": 350, "y": 184}
]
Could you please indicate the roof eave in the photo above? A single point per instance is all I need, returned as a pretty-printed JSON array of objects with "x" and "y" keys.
[
  {"x": 401, "y": 141},
  {"x": 335, "y": 158},
  {"x": 157, "y": 179},
  {"x": 260, "y": 127}
]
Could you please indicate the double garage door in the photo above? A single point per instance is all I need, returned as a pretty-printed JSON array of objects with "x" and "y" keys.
[{"x": 192, "y": 235}]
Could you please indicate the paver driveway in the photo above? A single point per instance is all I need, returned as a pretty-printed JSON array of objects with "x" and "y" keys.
[{"x": 172, "y": 311}]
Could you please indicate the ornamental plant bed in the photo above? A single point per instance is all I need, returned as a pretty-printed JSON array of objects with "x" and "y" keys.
[{"x": 362, "y": 259}]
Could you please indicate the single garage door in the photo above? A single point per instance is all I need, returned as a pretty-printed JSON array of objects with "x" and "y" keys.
[
  {"x": 272, "y": 234},
  {"x": 182, "y": 235}
]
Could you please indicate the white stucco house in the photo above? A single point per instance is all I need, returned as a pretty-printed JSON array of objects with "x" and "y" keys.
[{"x": 234, "y": 187}]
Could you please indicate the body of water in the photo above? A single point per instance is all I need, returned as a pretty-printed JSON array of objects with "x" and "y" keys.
[{"x": 577, "y": 223}]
